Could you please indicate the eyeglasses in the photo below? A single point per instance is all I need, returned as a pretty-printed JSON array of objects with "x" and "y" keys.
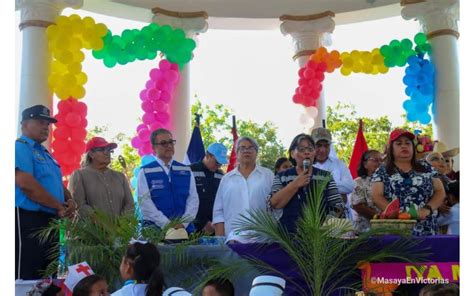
[
  {"x": 103, "y": 149},
  {"x": 436, "y": 158},
  {"x": 249, "y": 148},
  {"x": 375, "y": 159},
  {"x": 304, "y": 149},
  {"x": 166, "y": 143}
]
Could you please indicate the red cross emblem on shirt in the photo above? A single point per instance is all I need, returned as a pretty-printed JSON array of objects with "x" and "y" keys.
[{"x": 83, "y": 268}]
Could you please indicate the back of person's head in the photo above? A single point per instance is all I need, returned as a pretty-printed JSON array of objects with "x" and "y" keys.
[
  {"x": 440, "y": 290},
  {"x": 279, "y": 162},
  {"x": 145, "y": 261},
  {"x": 84, "y": 286},
  {"x": 222, "y": 286},
  {"x": 453, "y": 188}
]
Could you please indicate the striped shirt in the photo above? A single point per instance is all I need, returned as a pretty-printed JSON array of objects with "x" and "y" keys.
[{"x": 332, "y": 200}]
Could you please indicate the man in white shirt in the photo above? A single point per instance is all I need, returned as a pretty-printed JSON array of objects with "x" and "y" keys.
[
  {"x": 340, "y": 172},
  {"x": 166, "y": 188},
  {"x": 245, "y": 187}
]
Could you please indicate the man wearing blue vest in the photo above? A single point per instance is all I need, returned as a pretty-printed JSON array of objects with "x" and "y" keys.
[
  {"x": 39, "y": 193},
  {"x": 166, "y": 188}
]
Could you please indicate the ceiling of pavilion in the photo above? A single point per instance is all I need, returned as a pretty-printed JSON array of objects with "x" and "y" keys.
[{"x": 249, "y": 14}]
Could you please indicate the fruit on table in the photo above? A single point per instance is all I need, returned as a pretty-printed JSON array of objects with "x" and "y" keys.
[{"x": 404, "y": 216}]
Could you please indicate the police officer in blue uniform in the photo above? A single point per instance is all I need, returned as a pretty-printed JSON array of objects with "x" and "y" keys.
[
  {"x": 166, "y": 188},
  {"x": 208, "y": 175},
  {"x": 39, "y": 193}
]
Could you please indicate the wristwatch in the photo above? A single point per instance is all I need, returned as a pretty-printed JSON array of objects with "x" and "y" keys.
[{"x": 429, "y": 208}]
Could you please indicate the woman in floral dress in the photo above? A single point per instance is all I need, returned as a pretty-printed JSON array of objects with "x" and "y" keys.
[{"x": 412, "y": 182}]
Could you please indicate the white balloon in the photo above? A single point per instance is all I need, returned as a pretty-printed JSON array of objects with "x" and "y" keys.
[
  {"x": 304, "y": 119},
  {"x": 312, "y": 111}
]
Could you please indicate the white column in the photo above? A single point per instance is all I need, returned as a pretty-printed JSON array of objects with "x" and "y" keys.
[
  {"x": 192, "y": 23},
  {"x": 36, "y": 16},
  {"x": 309, "y": 33},
  {"x": 438, "y": 20}
]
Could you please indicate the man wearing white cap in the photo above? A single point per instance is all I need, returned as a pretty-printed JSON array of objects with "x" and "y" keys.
[{"x": 208, "y": 175}]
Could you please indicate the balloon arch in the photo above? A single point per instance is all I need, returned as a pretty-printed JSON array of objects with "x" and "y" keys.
[{"x": 71, "y": 34}]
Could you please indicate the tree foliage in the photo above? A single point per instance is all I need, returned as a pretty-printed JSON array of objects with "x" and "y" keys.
[{"x": 216, "y": 125}]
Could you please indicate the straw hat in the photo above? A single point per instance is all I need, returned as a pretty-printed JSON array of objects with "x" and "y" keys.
[{"x": 443, "y": 149}]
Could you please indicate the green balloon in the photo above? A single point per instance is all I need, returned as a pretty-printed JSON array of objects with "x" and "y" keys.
[
  {"x": 127, "y": 36},
  {"x": 386, "y": 51},
  {"x": 178, "y": 34},
  {"x": 406, "y": 44},
  {"x": 118, "y": 41},
  {"x": 396, "y": 51},
  {"x": 122, "y": 59},
  {"x": 420, "y": 38},
  {"x": 98, "y": 54},
  {"x": 154, "y": 27},
  {"x": 394, "y": 43},
  {"x": 146, "y": 31},
  {"x": 141, "y": 54},
  {"x": 151, "y": 55},
  {"x": 389, "y": 62},
  {"x": 426, "y": 48},
  {"x": 110, "y": 61},
  {"x": 108, "y": 37},
  {"x": 113, "y": 49},
  {"x": 189, "y": 44},
  {"x": 166, "y": 30},
  {"x": 400, "y": 61}
]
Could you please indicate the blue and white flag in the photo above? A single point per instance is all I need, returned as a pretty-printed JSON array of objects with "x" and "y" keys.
[{"x": 196, "y": 150}]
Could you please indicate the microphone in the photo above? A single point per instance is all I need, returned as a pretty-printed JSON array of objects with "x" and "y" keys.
[{"x": 306, "y": 163}]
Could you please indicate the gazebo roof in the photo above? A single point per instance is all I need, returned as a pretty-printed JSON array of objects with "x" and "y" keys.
[{"x": 248, "y": 14}]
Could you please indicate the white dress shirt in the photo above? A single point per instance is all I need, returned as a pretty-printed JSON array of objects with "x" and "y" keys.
[
  {"x": 148, "y": 208},
  {"x": 340, "y": 172},
  {"x": 236, "y": 195}
]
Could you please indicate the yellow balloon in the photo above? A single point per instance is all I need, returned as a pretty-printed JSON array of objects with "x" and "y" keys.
[
  {"x": 88, "y": 22},
  {"x": 65, "y": 57},
  {"x": 77, "y": 27},
  {"x": 357, "y": 68},
  {"x": 62, "y": 20},
  {"x": 53, "y": 80},
  {"x": 52, "y": 31},
  {"x": 366, "y": 57},
  {"x": 367, "y": 68},
  {"x": 81, "y": 78},
  {"x": 74, "y": 17},
  {"x": 344, "y": 55},
  {"x": 345, "y": 71},
  {"x": 96, "y": 43},
  {"x": 78, "y": 56},
  {"x": 377, "y": 59},
  {"x": 75, "y": 44},
  {"x": 58, "y": 67},
  {"x": 62, "y": 92},
  {"x": 78, "y": 92},
  {"x": 382, "y": 69},
  {"x": 68, "y": 81},
  {"x": 375, "y": 51},
  {"x": 348, "y": 62},
  {"x": 375, "y": 70},
  {"x": 101, "y": 30},
  {"x": 74, "y": 68},
  {"x": 355, "y": 54}
]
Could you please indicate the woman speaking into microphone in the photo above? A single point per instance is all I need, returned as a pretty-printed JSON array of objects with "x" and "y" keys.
[{"x": 291, "y": 188}]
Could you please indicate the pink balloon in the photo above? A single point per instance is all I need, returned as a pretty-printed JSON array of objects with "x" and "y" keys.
[
  {"x": 165, "y": 65},
  {"x": 147, "y": 149},
  {"x": 153, "y": 94},
  {"x": 309, "y": 73},
  {"x": 302, "y": 81},
  {"x": 144, "y": 95},
  {"x": 78, "y": 147},
  {"x": 155, "y": 74},
  {"x": 322, "y": 66},
  {"x": 160, "y": 106},
  {"x": 140, "y": 151},
  {"x": 163, "y": 85},
  {"x": 312, "y": 64},
  {"x": 155, "y": 125},
  {"x": 163, "y": 117},
  {"x": 171, "y": 76},
  {"x": 147, "y": 106},
  {"x": 304, "y": 90},
  {"x": 144, "y": 135},
  {"x": 319, "y": 76},
  {"x": 148, "y": 118},
  {"x": 141, "y": 126},
  {"x": 149, "y": 84},
  {"x": 174, "y": 67},
  {"x": 301, "y": 72},
  {"x": 136, "y": 142},
  {"x": 165, "y": 96}
]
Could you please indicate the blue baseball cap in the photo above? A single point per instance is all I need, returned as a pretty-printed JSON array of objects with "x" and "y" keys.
[
  {"x": 37, "y": 112},
  {"x": 219, "y": 151}
]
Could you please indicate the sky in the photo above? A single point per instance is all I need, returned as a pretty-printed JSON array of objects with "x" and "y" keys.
[{"x": 248, "y": 71}]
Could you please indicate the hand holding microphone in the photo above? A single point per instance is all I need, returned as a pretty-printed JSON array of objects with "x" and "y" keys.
[{"x": 303, "y": 178}]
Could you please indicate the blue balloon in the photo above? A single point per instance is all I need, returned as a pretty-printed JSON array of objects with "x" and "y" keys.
[
  {"x": 412, "y": 60},
  {"x": 146, "y": 159},
  {"x": 425, "y": 118},
  {"x": 428, "y": 68},
  {"x": 409, "y": 80},
  {"x": 412, "y": 116},
  {"x": 426, "y": 89},
  {"x": 135, "y": 171},
  {"x": 408, "y": 106},
  {"x": 409, "y": 90},
  {"x": 421, "y": 78},
  {"x": 421, "y": 108}
]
